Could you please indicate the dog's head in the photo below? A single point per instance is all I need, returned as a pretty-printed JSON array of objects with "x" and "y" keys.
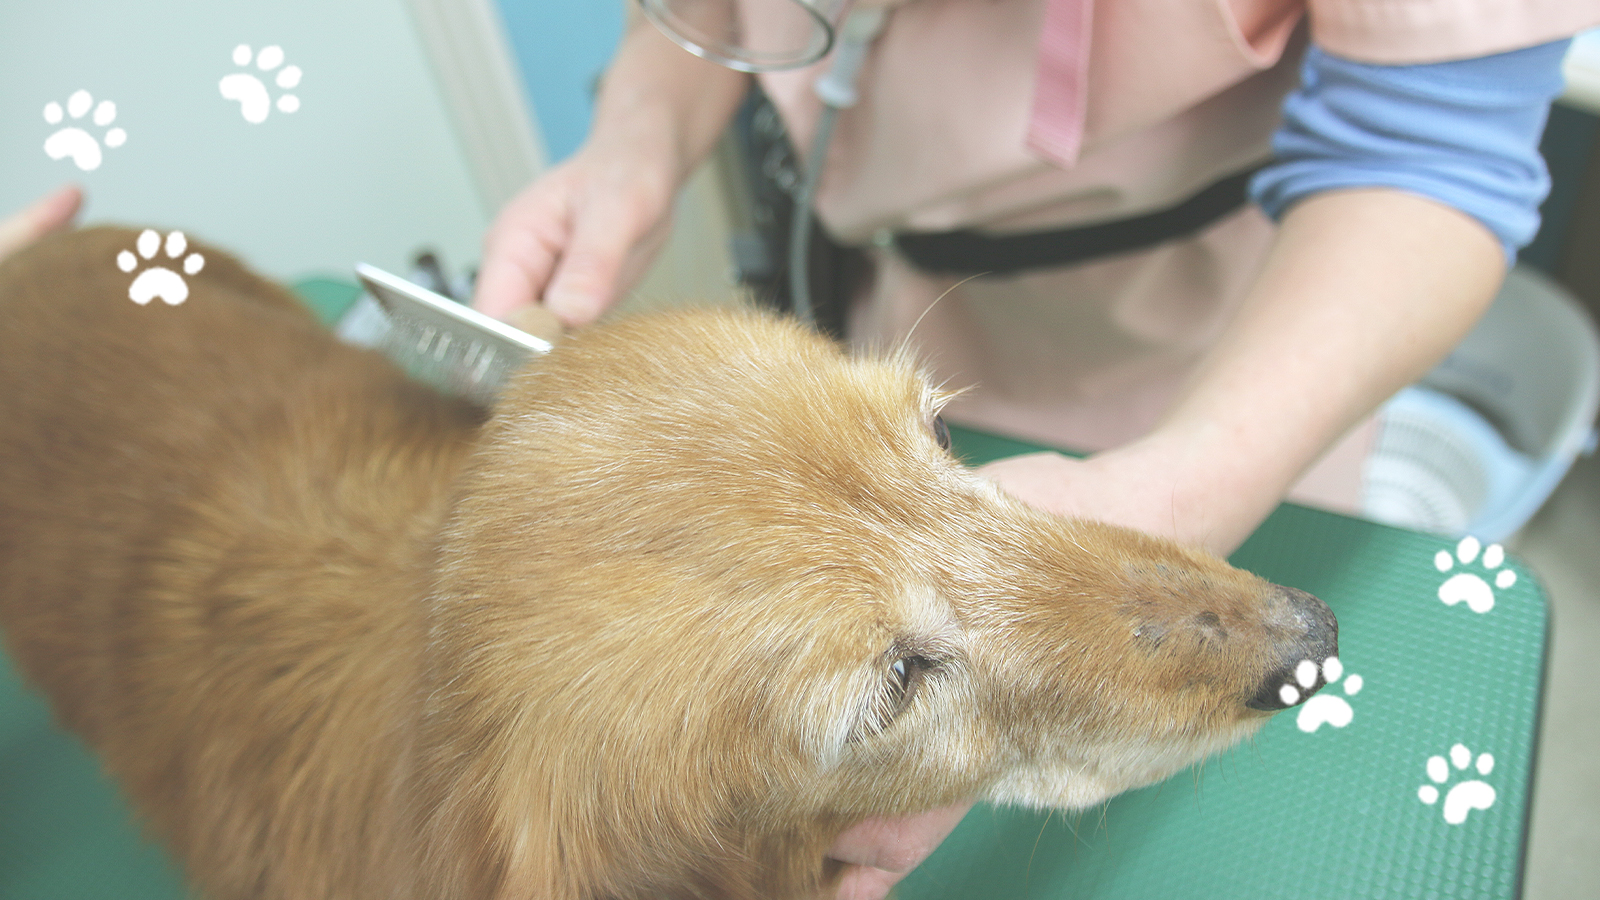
[{"x": 713, "y": 590}]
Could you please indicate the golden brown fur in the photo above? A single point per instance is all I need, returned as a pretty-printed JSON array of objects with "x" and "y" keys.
[{"x": 631, "y": 638}]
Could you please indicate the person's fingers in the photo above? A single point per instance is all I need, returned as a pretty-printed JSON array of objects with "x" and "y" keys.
[
  {"x": 864, "y": 883},
  {"x": 57, "y": 209},
  {"x": 521, "y": 249},
  {"x": 509, "y": 280},
  {"x": 48, "y": 213},
  {"x": 896, "y": 844},
  {"x": 589, "y": 276},
  {"x": 574, "y": 240},
  {"x": 878, "y": 852}
]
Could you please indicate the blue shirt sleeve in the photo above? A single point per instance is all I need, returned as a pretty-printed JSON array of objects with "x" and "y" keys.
[{"x": 1465, "y": 133}]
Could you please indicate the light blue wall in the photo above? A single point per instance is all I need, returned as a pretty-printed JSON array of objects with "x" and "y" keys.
[
  {"x": 367, "y": 168},
  {"x": 561, "y": 47}
]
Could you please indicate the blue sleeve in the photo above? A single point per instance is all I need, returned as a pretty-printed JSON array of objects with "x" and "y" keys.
[{"x": 1465, "y": 133}]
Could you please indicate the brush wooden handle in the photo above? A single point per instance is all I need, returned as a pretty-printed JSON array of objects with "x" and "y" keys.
[{"x": 538, "y": 321}]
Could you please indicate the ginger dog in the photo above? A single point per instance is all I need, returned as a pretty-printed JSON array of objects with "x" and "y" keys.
[{"x": 699, "y": 595}]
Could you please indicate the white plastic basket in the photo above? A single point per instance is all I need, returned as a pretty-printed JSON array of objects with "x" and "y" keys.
[{"x": 1481, "y": 442}]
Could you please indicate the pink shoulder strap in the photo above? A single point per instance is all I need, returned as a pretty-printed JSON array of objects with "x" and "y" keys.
[{"x": 1055, "y": 127}]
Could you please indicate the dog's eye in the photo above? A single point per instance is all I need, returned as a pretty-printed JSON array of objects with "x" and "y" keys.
[
  {"x": 941, "y": 432},
  {"x": 901, "y": 677},
  {"x": 905, "y": 676}
]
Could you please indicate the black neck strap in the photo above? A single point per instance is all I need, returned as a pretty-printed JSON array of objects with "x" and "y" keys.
[{"x": 965, "y": 251}]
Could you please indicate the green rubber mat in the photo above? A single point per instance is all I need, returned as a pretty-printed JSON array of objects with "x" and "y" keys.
[
  {"x": 329, "y": 298},
  {"x": 1327, "y": 802},
  {"x": 65, "y": 832}
]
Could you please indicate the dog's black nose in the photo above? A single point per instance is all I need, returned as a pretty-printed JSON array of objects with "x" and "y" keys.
[{"x": 1309, "y": 657}]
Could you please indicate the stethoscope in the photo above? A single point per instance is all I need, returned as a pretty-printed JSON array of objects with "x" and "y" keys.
[{"x": 790, "y": 35}]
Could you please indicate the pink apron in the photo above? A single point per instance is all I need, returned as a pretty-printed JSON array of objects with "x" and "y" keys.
[{"x": 1170, "y": 96}]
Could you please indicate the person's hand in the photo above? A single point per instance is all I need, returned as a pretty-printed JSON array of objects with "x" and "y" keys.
[
  {"x": 48, "y": 213},
  {"x": 583, "y": 233},
  {"x": 879, "y": 852},
  {"x": 577, "y": 238},
  {"x": 1141, "y": 486}
]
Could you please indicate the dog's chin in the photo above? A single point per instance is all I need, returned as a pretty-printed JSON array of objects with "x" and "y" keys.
[
  {"x": 1050, "y": 788},
  {"x": 1068, "y": 786}
]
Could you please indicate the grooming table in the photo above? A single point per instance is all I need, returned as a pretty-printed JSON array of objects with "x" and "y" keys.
[
  {"x": 1328, "y": 801},
  {"x": 1324, "y": 803}
]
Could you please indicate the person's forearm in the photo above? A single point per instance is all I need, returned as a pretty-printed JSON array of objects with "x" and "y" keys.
[
  {"x": 1362, "y": 293},
  {"x": 660, "y": 99}
]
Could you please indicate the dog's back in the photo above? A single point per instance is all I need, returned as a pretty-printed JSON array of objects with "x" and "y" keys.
[
  {"x": 189, "y": 493},
  {"x": 702, "y": 593}
]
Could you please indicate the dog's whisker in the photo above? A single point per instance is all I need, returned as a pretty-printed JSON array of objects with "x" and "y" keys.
[{"x": 911, "y": 332}]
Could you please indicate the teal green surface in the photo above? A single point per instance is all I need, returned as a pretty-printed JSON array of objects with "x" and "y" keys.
[
  {"x": 1325, "y": 814},
  {"x": 329, "y": 298},
  {"x": 65, "y": 832}
]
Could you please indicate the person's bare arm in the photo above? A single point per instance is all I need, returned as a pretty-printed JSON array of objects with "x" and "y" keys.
[
  {"x": 583, "y": 232},
  {"x": 1363, "y": 292}
]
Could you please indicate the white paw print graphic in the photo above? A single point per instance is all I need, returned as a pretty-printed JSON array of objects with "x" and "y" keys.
[
  {"x": 255, "y": 101},
  {"x": 1325, "y": 708},
  {"x": 1465, "y": 796},
  {"x": 75, "y": 142},
  {"x": 1469, "y": 587},
  {"x": 160, "y": 281}
]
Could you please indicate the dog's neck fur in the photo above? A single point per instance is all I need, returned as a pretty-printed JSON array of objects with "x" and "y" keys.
[{"x": 329, "y": 680}]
